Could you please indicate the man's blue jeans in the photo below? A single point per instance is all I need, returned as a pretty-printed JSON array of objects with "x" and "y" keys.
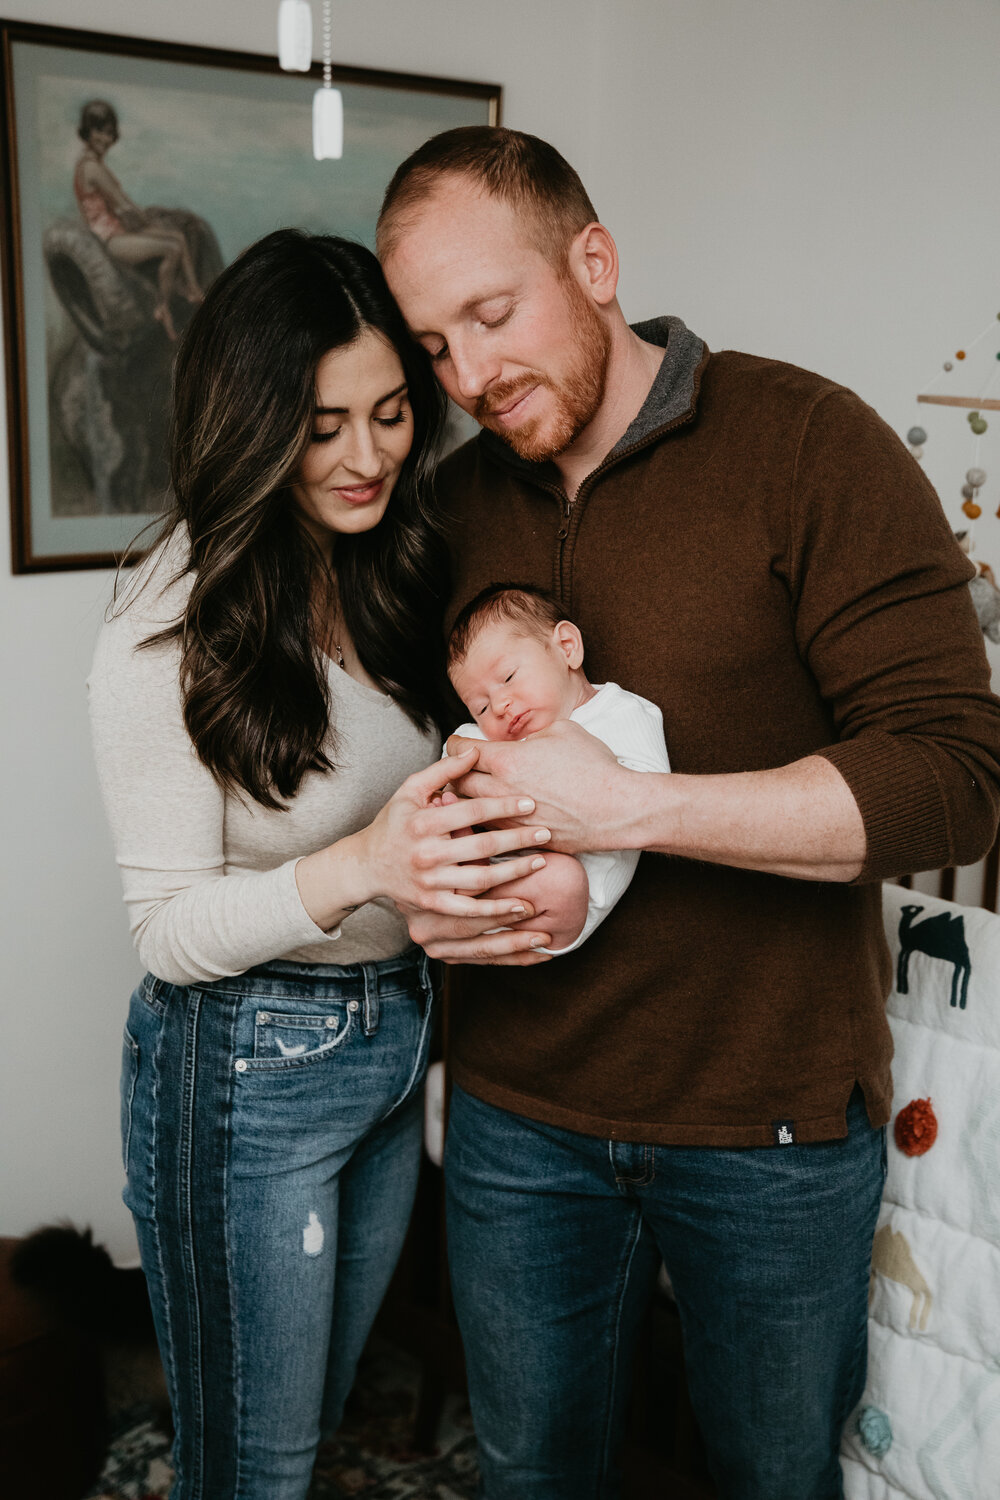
[
  {"x": 271, "y": 1129},
  {"x": 555, "y": 1241}
]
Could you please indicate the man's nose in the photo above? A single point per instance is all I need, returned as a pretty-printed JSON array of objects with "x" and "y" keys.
[{"x": 474, "y": 368}]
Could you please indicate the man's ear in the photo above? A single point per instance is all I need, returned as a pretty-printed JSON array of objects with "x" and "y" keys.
[
  {"x": 593, "y": 262},
  {"x": 569, "y": 642}
]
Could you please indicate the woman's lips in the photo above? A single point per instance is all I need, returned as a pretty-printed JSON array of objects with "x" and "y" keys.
[{"x": 361, "y": 494}]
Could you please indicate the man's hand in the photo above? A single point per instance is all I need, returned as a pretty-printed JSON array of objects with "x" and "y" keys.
[
  {"x": 577, "y": 784},
  {"x": 799, "y": 820}
]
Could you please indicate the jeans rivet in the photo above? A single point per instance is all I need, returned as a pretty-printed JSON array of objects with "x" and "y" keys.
[
  {"x": 331, "y": 1022},
  {"x": 353, "y": 1005},
  {"x": 241, "y": 1065},
  {"x": 263, "y": 1016}
]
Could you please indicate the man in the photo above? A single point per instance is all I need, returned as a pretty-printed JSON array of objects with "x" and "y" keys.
[{"x": 707, "y": 1079}]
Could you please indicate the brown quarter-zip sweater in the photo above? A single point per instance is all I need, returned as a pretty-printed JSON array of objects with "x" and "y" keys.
[{"x": 761, "y": 557}]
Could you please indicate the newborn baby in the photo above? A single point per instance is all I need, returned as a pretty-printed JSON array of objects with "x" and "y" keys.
[{"x": 517, "y": 665}]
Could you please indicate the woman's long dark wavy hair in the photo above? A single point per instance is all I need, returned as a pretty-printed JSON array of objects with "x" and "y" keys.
[{"x": 253, "y": 679}]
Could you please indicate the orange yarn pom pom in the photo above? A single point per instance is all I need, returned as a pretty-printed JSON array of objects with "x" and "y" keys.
[{"x": 916, "y": 1128}]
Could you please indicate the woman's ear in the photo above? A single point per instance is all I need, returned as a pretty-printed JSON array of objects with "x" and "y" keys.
[{"x": 569, "y": 642}]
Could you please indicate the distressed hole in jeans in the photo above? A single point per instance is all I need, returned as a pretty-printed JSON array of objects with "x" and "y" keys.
[
  {"x": 312, "y": 1235},
  {"x": 290, "y": 1051}
]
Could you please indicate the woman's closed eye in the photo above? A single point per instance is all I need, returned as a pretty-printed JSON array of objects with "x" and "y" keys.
[{"x": 395, "y": 421}]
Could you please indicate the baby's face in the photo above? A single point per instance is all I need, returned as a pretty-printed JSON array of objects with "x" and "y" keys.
[{"x": 513, "y": 684}]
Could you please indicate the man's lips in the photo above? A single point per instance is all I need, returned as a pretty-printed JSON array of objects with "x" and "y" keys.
[
  {"x": 512, "y": 409},
  {"x": 360, "y": 494}
]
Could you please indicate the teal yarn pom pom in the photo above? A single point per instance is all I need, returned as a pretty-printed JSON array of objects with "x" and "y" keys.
[{"x": 875, "y": 1430}]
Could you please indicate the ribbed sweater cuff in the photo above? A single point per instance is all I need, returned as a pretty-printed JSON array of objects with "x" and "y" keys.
[{"x": 900, "y": 802}]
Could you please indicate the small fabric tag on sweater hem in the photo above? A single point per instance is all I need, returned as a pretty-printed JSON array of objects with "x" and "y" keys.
[{"x": 783, "y": 1132}]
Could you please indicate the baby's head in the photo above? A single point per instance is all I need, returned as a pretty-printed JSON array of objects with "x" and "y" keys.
[{"x": 515, "y": 662}]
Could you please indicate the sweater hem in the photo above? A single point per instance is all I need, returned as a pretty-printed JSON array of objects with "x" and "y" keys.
[{"x": 825, "y": 1127}]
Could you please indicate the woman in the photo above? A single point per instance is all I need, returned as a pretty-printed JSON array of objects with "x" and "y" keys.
[
  {"x": 258, "y": 695},
  {"x": 129, "y": 233}
]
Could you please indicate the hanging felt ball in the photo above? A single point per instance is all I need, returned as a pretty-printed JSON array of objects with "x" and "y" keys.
[
  {"x": 959, "y": 353},
  {"x": 972, "y": 510},
  {"x": 968, "y": 493},
  {"x": 916, "y": 436},
  {"x": 948, "y": 365},
  {"x": 975, "y": 477},
  {"x": 875, "y": 1430},
  {"x": 979, "y": 426},
  {"x": 918, "y": 451},
  {"x": 916, "y": 1128},
  {"x": 972, "y": 416}
]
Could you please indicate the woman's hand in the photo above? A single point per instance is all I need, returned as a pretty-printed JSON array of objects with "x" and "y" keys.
[{"x": 422, "y": 853}]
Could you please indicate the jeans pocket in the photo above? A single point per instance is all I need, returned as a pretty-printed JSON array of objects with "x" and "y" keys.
[
  {"x": 290, "y": 1039},
  {"x": 129, "y": 1074}
]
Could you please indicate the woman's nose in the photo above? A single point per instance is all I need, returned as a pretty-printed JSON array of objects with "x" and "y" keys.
[{"x": 363, "y": 457}]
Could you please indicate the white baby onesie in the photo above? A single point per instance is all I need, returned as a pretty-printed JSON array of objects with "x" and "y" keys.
[{"x": 632, "y": 729}]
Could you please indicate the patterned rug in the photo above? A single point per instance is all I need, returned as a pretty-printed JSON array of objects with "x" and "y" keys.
[{"x": 370, "y": 1456}]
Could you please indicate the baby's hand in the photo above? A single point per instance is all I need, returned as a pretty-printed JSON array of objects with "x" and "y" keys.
[{"x": 559, "y": 894}]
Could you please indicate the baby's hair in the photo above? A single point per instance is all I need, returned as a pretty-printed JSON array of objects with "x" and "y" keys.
[{"x": 534, "y": 610}]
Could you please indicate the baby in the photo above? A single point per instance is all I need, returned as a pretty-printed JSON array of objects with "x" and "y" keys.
[{"x": 517, "y": 665}]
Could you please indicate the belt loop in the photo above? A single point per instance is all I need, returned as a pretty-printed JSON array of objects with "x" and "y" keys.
[{"x": 370, "y": 974}]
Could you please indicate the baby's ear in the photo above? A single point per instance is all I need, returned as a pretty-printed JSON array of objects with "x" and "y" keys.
[{"x": 570, "y": 643}]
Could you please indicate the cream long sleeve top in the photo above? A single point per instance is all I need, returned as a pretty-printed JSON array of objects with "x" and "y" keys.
[{"x": 208, "y": 876}]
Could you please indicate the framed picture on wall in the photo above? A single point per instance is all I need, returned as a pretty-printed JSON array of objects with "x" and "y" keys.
[{"x": 133, "y": 171}]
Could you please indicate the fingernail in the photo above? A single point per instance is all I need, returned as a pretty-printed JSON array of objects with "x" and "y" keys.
[
  {"x": 538, "y": 942},
  {"x": 538, "y": 864},
  {"x": 525, "y": 805},
  {"x": 541, "y": 834},
  {"x": 517, "y": 911}
]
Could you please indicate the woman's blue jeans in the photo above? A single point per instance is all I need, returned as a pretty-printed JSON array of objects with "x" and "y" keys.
[
  {"x": 271, "y": 1129},
  {"x": 555, "y": 1241}
]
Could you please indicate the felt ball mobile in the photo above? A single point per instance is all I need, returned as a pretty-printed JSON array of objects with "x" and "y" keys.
[{"x": 975, "y": 474}]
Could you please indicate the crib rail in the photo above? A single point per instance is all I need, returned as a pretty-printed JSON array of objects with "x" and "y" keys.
[{"x": 990, "y": 890}]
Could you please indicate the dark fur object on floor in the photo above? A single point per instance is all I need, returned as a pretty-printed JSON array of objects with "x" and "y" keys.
[{"x": 78, "y": 1282}]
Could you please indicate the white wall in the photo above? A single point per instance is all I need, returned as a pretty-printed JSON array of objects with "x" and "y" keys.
[{"x": 811, "y": 179}]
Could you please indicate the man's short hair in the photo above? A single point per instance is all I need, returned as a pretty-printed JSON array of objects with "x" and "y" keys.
[
  {"x": 533, "y": 611},
  {"x": 519, "y": 169}
]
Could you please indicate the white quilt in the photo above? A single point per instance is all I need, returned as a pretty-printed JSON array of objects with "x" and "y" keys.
[{"x": 928, "y": 1427}]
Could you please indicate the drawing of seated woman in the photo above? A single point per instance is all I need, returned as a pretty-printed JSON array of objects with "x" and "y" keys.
[{"x": 130, "y": 234}]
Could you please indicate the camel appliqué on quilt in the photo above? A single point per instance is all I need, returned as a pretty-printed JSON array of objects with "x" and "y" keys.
[{"x": 942, "y": 936}]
